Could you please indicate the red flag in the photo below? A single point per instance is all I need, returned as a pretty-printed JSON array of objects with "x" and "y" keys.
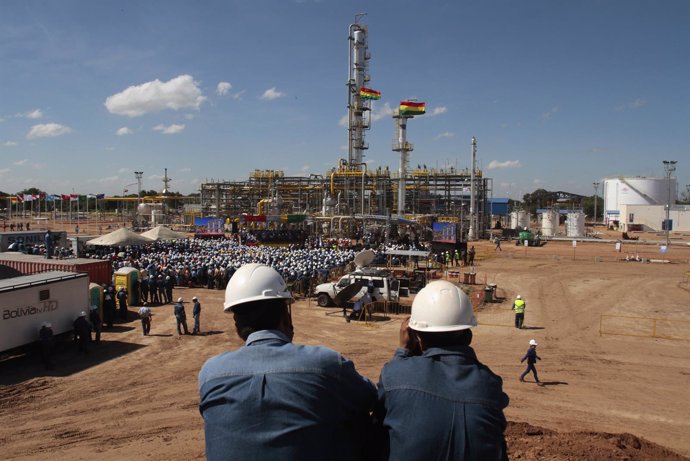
[
  {"x": 65, "y": 197},
  {"x": 74, "y": 197}
]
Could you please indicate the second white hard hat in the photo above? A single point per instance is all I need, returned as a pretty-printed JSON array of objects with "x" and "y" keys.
[
  {"x": 254, "y": 282},
  {"x": 532, "y": 342},
  {"x": 441, "y": 306}
]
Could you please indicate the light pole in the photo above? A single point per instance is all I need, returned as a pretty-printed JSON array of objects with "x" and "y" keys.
[
  {"x": 669, "y": 167},
  {"x": 596, "y": 199},
  {"x": 124, "y": 202}
]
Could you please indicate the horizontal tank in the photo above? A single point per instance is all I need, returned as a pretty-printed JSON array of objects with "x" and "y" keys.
[
  {"x": 575, "y": 224},
  {"x": 636, "y": 191}
]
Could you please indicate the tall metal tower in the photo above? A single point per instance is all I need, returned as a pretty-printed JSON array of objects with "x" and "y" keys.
[
  {"x": 472, "y": 235},
  {"x": 404, "y": 148},
  {"x": 359, "y": 115}
]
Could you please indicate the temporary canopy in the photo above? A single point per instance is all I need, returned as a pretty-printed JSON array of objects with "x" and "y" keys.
[
  {"x": 122, "y": 236},
  {"x": 163, "y": 233}
]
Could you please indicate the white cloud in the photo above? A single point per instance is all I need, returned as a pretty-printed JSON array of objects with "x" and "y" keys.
[
  {"x": 9, "y": 144},
  {"x": 271, "y": 94},
  {"x": 238, "y": 95},
  {"x": 636, "y": 104},
  {"x": 223, "y": 88},
  {"x": 379, "y": 113},
  {"x": 343, "y": 122},
  {"x": 39, "y": 166},
  {"x": 4, "y": 170},
  {"x": 33, "y": 114},
  {"x": 124, "y": 131},
  {"x": 170, "y": 129},
  {"x": 181, "y": 92},
  {"x": 108, "y": 179},
  {"x": 445, "y": 134},
  {"x": 47, "y": 130},
  {"x": 537, "y": 182},
  {"x": 548, "y": 114},
  {"x": 21, "y": 162},
  {"x": 123, "y": 170},
  {"x": 495, "y": 164},
  {"x": 185, "y": 170},
  {"x": 437, "y": 111}
]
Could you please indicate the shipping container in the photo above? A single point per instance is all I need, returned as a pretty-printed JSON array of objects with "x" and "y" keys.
[
  {"x": 100, "y": 271},
  {"x": 26, "y": 302}
]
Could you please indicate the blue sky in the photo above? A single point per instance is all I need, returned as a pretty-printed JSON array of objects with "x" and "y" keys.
[{"x": 558, "y": 93}]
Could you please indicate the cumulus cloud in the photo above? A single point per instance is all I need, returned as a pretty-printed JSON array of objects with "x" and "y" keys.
[
  {"x": 377, "y": 113},
  {"x": 170, "y": 129},
  {"x": 181, "y": 92},
  {"x": 21, "y": 162},
  {"x": 32, "y": 114},
  {"x": 9, "y": 144},
  {"x": 437, "y": 111},
  {"x": 636, "y": 104},
  {"x": 124, "y": 131},
  {"x": 47, "y": 130},
  {"x": 271, "y": 94},
  {"x": 445, "y": 134},
  {"x": 495, "y": 164},
  {"x": 223, "y": 88}
]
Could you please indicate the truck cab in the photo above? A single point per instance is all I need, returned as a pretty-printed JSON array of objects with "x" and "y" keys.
[{"x": 382, "y": 285}]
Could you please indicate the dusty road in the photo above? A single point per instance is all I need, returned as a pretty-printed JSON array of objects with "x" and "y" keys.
[{"x": 135, "y": 397}]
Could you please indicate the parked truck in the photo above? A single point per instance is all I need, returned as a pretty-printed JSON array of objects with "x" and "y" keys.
[{"x": 27, "y": 301}]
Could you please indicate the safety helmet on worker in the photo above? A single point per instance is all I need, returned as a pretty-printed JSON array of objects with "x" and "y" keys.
[
  {"x": 532, "y": 342},
  {"x": 518, "y": 297},
  {"x": 254, "y": 282},
  {"x": 441, "y": 306}
]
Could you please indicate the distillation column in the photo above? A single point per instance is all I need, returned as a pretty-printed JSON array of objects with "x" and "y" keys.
[
  {"x": 404, "y": 148},
  {"x": 358, "y": 107},
  {"x": 473, "y": 192}
]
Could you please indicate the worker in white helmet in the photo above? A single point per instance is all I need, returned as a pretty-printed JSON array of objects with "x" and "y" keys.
[
  {"x": 436, "y": 400},
  {"x": 519, "y": 306},
  {"x": 273, "y": 399},
  {"x": 531, "y": 357}
]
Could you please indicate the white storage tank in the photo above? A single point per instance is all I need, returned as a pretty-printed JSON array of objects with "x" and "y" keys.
[
  {"x": 519, "y": 219},
  {"x": 575, "y": 224},
  {"x": 636, "y": 190},
  {"x": 549, "y": 222}
]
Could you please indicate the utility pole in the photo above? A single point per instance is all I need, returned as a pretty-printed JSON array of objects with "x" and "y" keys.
[
  {"x": 596, "y": 199},
  {"x": 669, "y": 167}
]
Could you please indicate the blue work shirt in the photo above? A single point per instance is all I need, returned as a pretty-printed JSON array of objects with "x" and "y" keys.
[
  {"x": 272, "y": 399},
  {"x": 442, "y": 405}
]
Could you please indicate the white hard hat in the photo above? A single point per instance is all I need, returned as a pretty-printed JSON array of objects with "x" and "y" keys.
[
  {"x": 194, "y": 298},
  {"x": 82, "y": 314},
  {"x": 180, "y": 300},
  {"x": 254, "y": 282},
  {"x": 441, "y": 306},
  {"x": 532, "y": 342},
  {"x": 519, "y": 297}
]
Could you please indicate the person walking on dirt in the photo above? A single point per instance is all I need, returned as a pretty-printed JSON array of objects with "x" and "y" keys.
[
  {"x": 181, "y": 317},
  {"x": 96, "y": 323},
  {"x": 436, "y": 400},
  {"x": 519, "y": 307},
  {"x": 145, "y": 316},
  {"x": 470, "y": 256},
  {"x": 531, "y": 357},
  {"x": 196, "y": 314},
  {"x": 109, "y": 306},
  {"x": 497, "y": 241},
  {"x": 122, "y": 300},
  {"x": 47, "y": 344},
  {"x": 271, "y": 398},
  {"x": 82, "y": 333}
]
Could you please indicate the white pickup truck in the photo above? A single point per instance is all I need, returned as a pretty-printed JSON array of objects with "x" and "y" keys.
[{"x": 384, "y": 287}]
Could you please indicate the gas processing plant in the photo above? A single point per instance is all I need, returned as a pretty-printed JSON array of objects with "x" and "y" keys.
[{"x": 351, "y": 197}]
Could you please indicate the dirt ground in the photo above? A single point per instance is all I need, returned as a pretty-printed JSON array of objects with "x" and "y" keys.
[{"x": 615, "y": 387}]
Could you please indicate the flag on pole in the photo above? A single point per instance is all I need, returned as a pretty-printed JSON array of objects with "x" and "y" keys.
[
  {"x": 74, "y": 197},
  {"x": 368, "y": 93},
  {"x": 65, "y": 197},
  {"x": 412, "y": 108},
  {"x": 100, "y": 196}
]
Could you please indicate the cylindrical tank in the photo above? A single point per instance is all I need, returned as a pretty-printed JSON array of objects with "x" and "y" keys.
[
  {"x": 636, "y": 191},
  {"x": 519, "y": 219},
  {"x": 549, "y": 222},
  {"x": 575, "y": 225}
]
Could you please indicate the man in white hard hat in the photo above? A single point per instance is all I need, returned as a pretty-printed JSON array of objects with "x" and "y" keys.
[
  {"x": 531, "y": 357},
  {"x": 196, "y": 314},
  {"x": 519, "y": 307},
  {"x": 273, "y": 399},
  {"x": 436, "y": 400},
  {"x": 180, "y": 317}
]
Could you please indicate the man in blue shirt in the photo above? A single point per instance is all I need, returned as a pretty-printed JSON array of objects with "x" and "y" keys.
[
  {"x": 273, "y": 399},
  {"x": 436, "y": 400}
]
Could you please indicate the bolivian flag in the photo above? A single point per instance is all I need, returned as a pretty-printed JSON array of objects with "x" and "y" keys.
[
  {"x": 367, "y": 93},
  {"x": 412, "y": 108}
]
